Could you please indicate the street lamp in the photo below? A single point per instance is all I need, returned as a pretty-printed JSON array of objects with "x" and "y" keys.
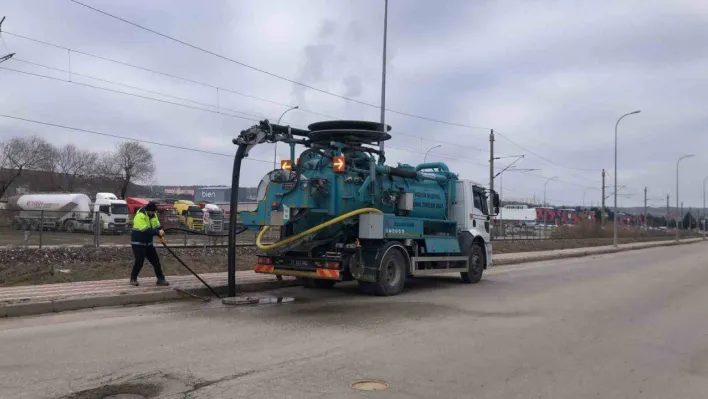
[
  {"x": 432, "y": 148},
  {"x": 677, "y": 191},
  {"x": 585, "y": 191},
  {"x": 275, "y": 149},
  {"x": 544, "y": 200},
  {"x": 614, "y": 219}
]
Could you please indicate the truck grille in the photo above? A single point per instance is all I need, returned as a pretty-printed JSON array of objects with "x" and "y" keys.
[{"x": 120, "y": 220}]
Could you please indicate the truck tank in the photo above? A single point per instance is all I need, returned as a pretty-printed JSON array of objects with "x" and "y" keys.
[
  {"x": 339, "y": 174},
  {"x": 54, "y": 202}
]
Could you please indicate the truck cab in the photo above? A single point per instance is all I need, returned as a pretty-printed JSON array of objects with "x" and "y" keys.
[
  {"x": 113, "y": 212},
  {"x": 471, "y": 212},
  {"x": 190, "y": 214}
]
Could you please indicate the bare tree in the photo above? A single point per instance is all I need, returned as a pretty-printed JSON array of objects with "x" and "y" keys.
[
  {"x": 73, "y": 166},
  {"x": 21, "y": 154},
  {"x": 132, "y": 162}
]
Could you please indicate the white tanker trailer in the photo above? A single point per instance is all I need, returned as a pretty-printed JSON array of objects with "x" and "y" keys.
[{"x": 69, "y": 212}]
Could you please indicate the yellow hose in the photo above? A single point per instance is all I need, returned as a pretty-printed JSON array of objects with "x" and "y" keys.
[{"x": 311, "y": 230}]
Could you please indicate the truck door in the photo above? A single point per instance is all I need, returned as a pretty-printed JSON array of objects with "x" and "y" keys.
[{"x": 477, "y": 208}]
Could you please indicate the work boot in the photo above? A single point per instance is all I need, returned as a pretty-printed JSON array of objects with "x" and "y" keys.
[
  {"x": 134, "y": 282},
  {"x": 163, "y": 282}
]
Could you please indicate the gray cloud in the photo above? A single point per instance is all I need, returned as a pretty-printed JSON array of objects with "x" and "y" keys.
[{"x": 550, "y": 75}]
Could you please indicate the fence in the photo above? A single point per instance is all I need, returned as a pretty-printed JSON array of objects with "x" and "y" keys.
[
  {"x": 50, "y": 228},
  {"x": 583, "y": 230}
]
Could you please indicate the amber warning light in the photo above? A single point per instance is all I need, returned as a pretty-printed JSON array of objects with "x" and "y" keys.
[
  {"x": 338, "y": 164},
  {"x": 286, "y": 164}
]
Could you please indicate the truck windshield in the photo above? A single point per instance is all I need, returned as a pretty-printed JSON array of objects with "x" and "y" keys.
[
  {"x": 196, "y": 212},
  {"x": 119, "y": 209},
  {"x": 169, "y": 212}
]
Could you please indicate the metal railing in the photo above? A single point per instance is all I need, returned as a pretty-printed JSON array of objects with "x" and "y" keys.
[{"x": 44, "y": 228}]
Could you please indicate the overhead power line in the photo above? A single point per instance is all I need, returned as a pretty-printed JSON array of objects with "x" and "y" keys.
[
  {"x": 169, "y": 75},
  {"x": 449, "y": 123},
  {"x": 129, "y": 138},
  {"x": 71, "y": 73},
  {"x": 305, "y": 85},
  {"x": 128, "y": 94}
]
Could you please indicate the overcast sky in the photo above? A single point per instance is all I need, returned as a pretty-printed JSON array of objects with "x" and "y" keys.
[{"x": 552, "y": 76}]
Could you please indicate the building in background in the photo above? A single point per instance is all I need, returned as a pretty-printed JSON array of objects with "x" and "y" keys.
[{"x": 213, "y": 195}]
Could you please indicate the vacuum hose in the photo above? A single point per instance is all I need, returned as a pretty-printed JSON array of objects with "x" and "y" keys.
[{"x": 340, "y": 218}]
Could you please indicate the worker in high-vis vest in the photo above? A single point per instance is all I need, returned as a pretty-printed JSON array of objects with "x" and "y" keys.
[{"x": 146, "y": 225}]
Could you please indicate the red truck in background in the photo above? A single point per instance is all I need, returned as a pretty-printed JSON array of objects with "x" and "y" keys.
[{"x": 166, "y": 212}]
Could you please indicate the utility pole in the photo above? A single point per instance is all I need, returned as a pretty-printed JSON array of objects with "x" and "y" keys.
[
  {"x": 491, "y": 182},
  {"x": 383, "y": 78},
  {"x": 645, "y": 207},
  {"x": 667, "y": 211},
  {"x": 602, "y": 208}
]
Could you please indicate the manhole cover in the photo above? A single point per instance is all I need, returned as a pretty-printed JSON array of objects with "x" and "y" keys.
[{"x": 369, "y": 385}]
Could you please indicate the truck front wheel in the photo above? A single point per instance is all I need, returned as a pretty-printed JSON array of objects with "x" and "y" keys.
[
  {"x": 475, "y": 265},
  {"x": 391, "y": 275}
]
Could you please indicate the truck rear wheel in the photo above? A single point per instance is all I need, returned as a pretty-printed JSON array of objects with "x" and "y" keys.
[
  {"x": 24, "y": 225},
  {"x": 317, "y": 283},
  {"x": 70, "y": 226},
  {"x": 391, "y": 275}
]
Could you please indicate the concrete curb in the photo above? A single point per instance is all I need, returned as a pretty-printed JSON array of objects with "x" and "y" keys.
[
  {"x": 92, "y": 302},
  {"x": 590, "y": 252}
]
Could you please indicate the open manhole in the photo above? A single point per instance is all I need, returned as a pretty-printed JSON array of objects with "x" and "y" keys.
[{"x": 369, "y": 385}]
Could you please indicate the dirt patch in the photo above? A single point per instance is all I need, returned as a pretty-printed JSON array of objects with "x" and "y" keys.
[{"x": 61, "y": 265}]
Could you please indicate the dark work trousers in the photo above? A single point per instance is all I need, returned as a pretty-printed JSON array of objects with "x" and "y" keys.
[{"x": 140, "y": 252}]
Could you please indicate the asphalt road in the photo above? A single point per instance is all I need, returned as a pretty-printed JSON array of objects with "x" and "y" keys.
[{"x": 628, "y": 325}]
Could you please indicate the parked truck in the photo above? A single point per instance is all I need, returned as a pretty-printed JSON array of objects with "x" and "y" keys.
[
  {"x": 166, "y": 212},
  {"x": 190, "y": 214},
  {"x": 345, "y": 215},
  {"x": 70, "y": 212},
  {"x": 213, "y": 218}
]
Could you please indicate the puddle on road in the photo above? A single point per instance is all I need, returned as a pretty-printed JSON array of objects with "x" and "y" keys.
[{"x": 119, "y": 391}]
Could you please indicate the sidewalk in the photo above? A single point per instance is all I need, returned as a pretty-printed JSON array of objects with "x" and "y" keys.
[{"x": 48, "y": 298}]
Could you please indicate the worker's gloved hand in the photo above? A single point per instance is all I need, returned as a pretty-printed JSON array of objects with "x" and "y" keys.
[{"x": 161, "y": 233}]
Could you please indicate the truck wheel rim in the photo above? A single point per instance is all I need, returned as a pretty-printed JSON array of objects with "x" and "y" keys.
[{"x": 392, "y": 273}]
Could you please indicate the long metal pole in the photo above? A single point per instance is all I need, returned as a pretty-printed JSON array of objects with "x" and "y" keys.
[
  {"x": 490, "y": 209},
  {"x": 383, "y": 76},
  {"x": 614, "y": 219},
  {"x": 677, "y": 194},
  {"x": 275, "y": 148}
]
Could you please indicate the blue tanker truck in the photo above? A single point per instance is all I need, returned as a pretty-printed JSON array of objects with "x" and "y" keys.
[{"x": 343, "y": 215}]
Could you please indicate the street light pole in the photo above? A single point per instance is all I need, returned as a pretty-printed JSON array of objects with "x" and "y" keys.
[
  {"x": 544, "y": 200},
  {"x": 275, "y": 149},
  {"x": 383, "y": 77},
  {"x": 677, "y": 191},
  {"x": 614, "y": 219},
  {"x": 432, "y": 148}
]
